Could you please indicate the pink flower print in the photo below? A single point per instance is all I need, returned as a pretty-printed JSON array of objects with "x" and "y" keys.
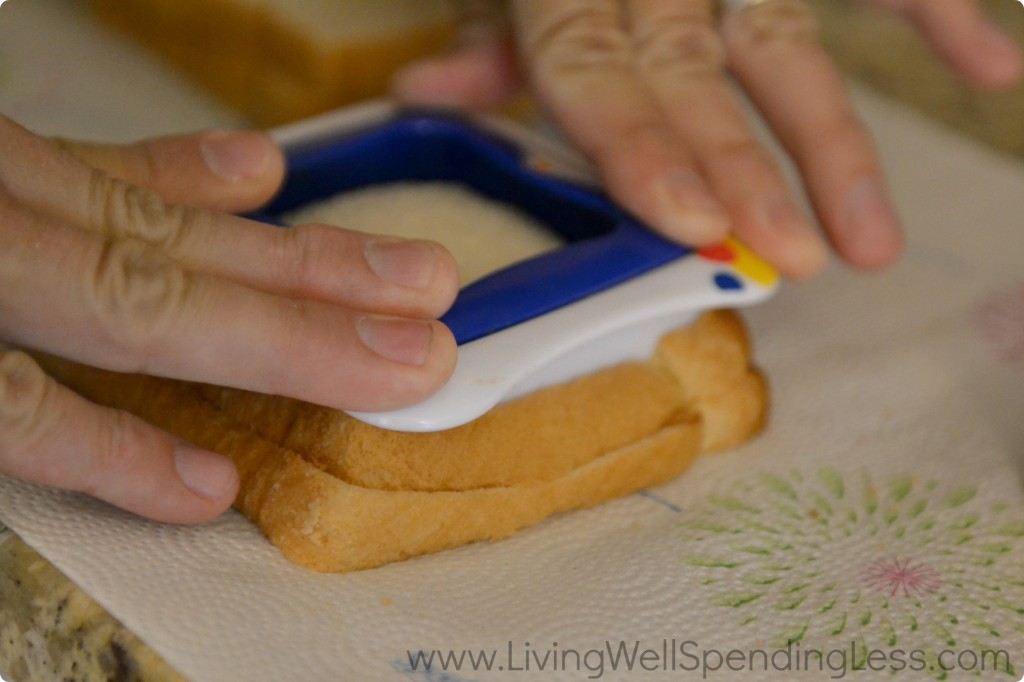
[{"x": 902, "y": 577}]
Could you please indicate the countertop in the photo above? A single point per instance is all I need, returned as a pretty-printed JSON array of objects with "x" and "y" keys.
[{"x": 49, "y": 629}]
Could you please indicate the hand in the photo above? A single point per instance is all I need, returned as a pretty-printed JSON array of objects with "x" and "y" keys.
[
  {"x": 97, "y": 268},
  {"x": 640, "y": 86}
]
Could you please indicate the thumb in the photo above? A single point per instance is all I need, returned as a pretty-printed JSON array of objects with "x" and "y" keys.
[
  {"x": 52, "y": 436},
  {"x": 218, "y": 170}
]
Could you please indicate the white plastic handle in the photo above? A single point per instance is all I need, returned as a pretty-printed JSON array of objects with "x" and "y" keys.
[{"x": 619, "y": 324}]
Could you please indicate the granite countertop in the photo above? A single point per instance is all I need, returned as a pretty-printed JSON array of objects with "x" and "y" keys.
[{"x": 49, "y": 629}]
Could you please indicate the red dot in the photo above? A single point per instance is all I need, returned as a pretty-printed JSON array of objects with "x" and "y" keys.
[{"x": 720, "y": 252}]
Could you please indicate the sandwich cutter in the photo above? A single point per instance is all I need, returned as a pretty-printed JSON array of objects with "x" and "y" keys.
[{"x": 605, "y": 297}]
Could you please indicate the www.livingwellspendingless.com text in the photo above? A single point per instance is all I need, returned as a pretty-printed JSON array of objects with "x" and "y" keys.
[{"x": 691, "y": 660}]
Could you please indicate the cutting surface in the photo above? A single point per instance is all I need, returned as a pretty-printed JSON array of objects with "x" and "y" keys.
[{"x": 895, "y": 430}]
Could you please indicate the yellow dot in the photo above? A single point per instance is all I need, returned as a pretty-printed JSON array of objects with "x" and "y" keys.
[{"x": 751, "y": 265}]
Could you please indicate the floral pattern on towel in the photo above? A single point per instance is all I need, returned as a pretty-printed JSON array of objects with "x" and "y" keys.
[{"x": 837, "y": 557}]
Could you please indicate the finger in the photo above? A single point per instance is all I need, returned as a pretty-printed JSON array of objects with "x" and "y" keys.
[
  {"x": 580, "y": 63},
  {"x": 970, "y": 42},
  {"x": 775, "y": 55},
  {"x": 413, "y": 279},
  {"x": 680, "y": 57},
  {"x": 120, "y": 304},
  {"x": 482, "y": 72},
  {"x": 219, "y": 170},
  {"x": 50, "y": 435},
  {"x": 483, "y": 75}
]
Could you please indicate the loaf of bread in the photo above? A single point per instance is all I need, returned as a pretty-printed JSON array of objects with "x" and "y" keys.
[
  {"x": 335, "y": 494},
  {"x": 277, "y": 62}
]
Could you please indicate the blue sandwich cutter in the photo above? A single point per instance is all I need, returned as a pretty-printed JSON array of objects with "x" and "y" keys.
[{"x": 606, "y": 297}]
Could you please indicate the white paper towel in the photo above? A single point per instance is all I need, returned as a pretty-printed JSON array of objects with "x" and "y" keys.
[{"x": 882, "y": 511}]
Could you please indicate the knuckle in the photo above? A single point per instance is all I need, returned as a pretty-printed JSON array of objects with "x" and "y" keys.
[
  {"x": 780, "y": 21},
  {"x": 301, "y": 254},
  {"x": 845, "y": 137},
  {"x": 845, "y": 130},
  {"x": 742, "y": 151},
  {"x": 24, "y": 393},
  {"x": 115, "y": 448},
  {"x": 122, "y": 209},
  {"x": 641, "y": 135},
  {"x": 687, "y": 46},
  {"x": 581, "y": 38},
  {"x": 138, "y": 293}
]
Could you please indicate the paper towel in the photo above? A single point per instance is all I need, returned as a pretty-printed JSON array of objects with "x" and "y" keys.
[{"x": 881, "y": 512}]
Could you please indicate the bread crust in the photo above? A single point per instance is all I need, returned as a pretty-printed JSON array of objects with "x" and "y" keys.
[
  {"x": 268, "y": 67},
  {"x": 523, "y": 441},
  {"x": 711, "y": 363},
  {"x": 335, "y": 494}
]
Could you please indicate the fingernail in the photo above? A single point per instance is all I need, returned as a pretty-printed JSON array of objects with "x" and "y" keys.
[
  {"x": 397, "y": 339},
  {"x": 408, "y": 264},
  {"x": 691, "y": 211},
  {"x": 205, "y": 473},
  {"x": 234, "y": 155},
  {"x": 796, "y": 247},
  {"x": 871, "y": 224}
]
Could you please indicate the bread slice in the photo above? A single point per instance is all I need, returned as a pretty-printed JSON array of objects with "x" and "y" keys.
[
  {"x": 335, "y": 494},
  {"x": 279, "y": 61}
]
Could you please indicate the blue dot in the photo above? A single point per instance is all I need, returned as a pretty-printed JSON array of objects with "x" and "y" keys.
[{"x": 727, "y": 282}]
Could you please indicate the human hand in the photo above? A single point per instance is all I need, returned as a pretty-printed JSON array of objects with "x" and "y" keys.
[
  {"x": 104, "y": 272},
  {"x": 641, "y": 87}
]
